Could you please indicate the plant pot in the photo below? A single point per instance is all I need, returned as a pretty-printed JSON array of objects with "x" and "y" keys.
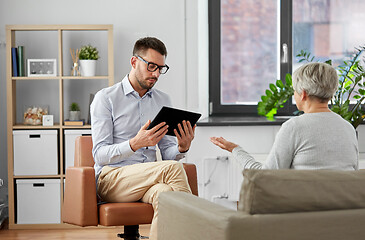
[
  {"x": 87, "y": 68},
  {"x": 74, "y": 115}
]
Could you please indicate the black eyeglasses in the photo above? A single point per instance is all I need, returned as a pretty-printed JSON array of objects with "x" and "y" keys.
[{"x": 153, "y": 66}]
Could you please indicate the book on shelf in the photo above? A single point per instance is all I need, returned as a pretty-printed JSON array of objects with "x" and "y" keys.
[
  {"x": 74, "y": 122},
  {"x": 21, "y": 67},
  {"x": 14, "y": 57}
]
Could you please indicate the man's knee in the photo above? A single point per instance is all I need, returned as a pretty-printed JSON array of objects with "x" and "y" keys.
[
  {"x": 174, "y": 165},
  {"x": 163, "y": 187}
]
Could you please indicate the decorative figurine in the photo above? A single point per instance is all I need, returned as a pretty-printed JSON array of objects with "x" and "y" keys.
[{"x": 75, "y": 58}]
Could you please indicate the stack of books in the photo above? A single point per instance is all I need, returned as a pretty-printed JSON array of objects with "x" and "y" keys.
[
  {"x": 74, "y": 122},
  {"x": 17, "y": 55}
]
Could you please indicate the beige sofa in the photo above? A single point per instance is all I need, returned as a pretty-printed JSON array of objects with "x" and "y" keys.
[{"x": 274, "y": 204}]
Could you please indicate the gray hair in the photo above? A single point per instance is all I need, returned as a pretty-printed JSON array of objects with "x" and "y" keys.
[{"x": 318, "y": 80}]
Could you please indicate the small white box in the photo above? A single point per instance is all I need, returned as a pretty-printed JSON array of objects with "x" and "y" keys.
[
  {"x": 35, "y": 152},
  {"x": 70, "y": 137},
  {"x": 47, "y": 120},
  {"x": 38, "y": 201}
]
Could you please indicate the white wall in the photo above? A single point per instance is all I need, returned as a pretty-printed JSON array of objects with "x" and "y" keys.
[{"x": 175, "y": 22}]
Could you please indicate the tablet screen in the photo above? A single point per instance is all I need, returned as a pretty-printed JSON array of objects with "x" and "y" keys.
[{"x": 172, "y": 117}]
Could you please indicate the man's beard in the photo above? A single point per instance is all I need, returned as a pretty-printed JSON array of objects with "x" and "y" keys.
[{"x": 145, "y": 84}]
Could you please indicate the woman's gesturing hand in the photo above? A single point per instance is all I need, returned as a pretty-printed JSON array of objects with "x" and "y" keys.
[{"x": 223, "y": 143}]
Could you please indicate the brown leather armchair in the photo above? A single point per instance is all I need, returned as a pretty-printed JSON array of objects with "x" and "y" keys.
[{"x": 81, "y": 207}]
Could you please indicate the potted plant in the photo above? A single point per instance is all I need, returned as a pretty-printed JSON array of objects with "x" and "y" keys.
[
  {"x": 351, "y": 85},
  {"x": 74, "y": 112},
  {"x": 88, "y": 56}
]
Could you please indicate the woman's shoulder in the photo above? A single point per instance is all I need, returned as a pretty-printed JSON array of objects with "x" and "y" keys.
[
  {"x": 318, "y": 119},
  {"x": 303, "y": 120}
]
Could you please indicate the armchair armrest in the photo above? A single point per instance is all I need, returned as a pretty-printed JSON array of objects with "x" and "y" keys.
[
  {"x": 80, "y": 203},
  {"x": 186, "y": 216},
  {"x": 190, "y": 170}
]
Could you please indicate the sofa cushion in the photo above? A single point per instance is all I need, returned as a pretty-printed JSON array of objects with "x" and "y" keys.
[{"x": 283, "y": 191}]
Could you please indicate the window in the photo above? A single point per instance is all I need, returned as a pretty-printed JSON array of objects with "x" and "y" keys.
[{"x": 254, "y": 42}]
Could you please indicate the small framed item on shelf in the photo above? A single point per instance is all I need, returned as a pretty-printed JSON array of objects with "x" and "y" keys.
[
  {"x": 47, "y": 120},
  {"x": 42, "y": 67}
]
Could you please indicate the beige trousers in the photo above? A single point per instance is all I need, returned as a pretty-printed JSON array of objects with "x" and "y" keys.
[{"x": 144, "y": 181}]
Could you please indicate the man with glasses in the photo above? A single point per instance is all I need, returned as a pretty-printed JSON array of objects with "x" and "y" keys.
[{"x": 124, "y": 150}]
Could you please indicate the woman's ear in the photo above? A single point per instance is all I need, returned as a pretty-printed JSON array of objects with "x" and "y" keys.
[{"x": 304, "y": 95}]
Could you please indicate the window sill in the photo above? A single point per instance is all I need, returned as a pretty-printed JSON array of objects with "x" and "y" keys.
[{"x": 241, "y": 121}]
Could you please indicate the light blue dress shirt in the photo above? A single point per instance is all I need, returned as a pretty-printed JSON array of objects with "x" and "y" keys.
[{"x": 117, "y": 114}]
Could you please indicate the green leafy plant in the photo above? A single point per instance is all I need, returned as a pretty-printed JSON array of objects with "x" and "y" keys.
[
  {"x": 351, "y": 84},
  {"x": 89, "y": 52},
  {"x": 74, "y": 107},
  {"x": 275, "y": 97}
]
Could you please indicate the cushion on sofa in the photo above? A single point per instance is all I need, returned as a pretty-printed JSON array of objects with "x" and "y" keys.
[{"x": 283, "y": 191}]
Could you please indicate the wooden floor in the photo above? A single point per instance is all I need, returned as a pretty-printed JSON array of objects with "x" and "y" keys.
[{"x": 61, "y": 234}]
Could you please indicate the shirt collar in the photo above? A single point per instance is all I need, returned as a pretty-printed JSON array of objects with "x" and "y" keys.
[{"x": 127, "y": 86}]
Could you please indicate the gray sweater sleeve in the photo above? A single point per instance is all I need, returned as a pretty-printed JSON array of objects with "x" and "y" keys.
[
  {"x": 245, "y": 159},
  {"x": 280, "y": 156}
]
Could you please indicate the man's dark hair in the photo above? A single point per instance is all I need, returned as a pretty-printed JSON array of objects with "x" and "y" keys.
[{"x": 143, "y": 44}]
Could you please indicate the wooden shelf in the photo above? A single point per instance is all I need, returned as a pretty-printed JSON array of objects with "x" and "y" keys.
[
  {"x": 37, "y": 176},
  {"x": 35, "y": 78},
  {"x": 60, "y": 34},
  {"x": 59, "y": 77},
  {"x": 56, "y": 126},
  {"x": 22, "y": 126},
  {"x": 87, "y": 126},
  {"x": 78, "y": 27},
  {"x": 84, "y": 78}
]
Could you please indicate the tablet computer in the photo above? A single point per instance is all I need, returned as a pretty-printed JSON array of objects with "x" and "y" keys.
[{"x": 172, "y": 117}]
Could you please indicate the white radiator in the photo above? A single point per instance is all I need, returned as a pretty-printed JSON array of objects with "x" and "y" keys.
[
  {"x": 215, "y": 177},
  {"x": 222, "y": 178}
]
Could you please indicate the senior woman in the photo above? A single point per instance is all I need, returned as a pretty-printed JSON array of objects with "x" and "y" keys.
[{"x": 318, "y": 139}]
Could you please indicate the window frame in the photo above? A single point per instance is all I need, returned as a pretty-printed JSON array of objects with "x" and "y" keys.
[{"x": 214, "y": 19}]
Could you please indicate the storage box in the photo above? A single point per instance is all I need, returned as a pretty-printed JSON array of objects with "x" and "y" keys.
[
  {"x": 70, "y": 137},
  {"x": 35, "y": 152},
  {"x": 38, "y": 201}
]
